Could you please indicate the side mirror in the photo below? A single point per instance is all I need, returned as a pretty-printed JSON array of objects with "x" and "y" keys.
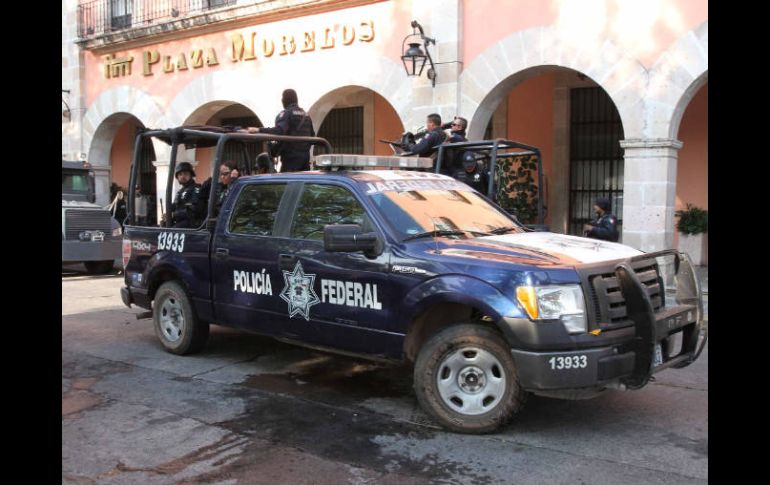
[{"x": 349, "y": 238}]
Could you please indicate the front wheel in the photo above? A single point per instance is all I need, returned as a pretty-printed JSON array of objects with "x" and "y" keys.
[
  {"x": 466, "y": 379},
  {"x": 176, "y": 324}
]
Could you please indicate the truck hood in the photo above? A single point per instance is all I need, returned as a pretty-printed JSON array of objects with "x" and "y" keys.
[{"x": 544, "y": 248}]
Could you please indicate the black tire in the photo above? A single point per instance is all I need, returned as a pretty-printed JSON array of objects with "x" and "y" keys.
[
  {"x": 173, "y": 316},
  {"x": 486, "y": 397},
  {"x": 99, "y": 267}
]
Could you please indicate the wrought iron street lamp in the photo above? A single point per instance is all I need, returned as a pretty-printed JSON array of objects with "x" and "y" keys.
[{"x": 413, "y": 57}]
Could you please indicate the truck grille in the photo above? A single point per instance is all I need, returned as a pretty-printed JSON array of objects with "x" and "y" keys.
[
  {"x": 77, "y": 221},
  {"x": 608, "y": 302}
]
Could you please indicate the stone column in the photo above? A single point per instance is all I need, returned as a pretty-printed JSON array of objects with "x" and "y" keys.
[
  {"x": 161, "y": 179},
  {"x": 102, "y": 178},
  {"x": 649, "y": 193}
]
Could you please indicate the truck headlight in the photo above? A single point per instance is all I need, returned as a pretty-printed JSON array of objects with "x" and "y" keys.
[{"x": 557, "y": 302}]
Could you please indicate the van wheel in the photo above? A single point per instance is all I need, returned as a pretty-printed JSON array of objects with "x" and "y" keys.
[
  {"x": 176, "y": 324},
  {"x": 466, "y": 379},
  {"x": 99, "y": 267}
]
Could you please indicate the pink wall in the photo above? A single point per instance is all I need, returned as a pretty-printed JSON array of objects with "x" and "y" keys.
[
  {"x": 122, "y": 152},
  {"x": 643, "y": 29},
  {"x": 387, "y": 125},
  {"x": 530, "y": 120},
  {"x": 692, "y": 176},
  {"x": 390, "y": 20}
]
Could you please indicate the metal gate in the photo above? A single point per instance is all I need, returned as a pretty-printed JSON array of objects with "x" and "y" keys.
[
  {"x": 596, "y": 159},
  {"x": 344, "y": 128}
]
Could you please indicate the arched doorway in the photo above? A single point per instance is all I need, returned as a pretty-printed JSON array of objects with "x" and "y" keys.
[
  {"x": 354, "y": 119},
  {"x": 220, "y": 113},
  {"x": 693, "y": 159},
  {"x": 111, "y": 153},
  {"x": 578, "y": 129}
]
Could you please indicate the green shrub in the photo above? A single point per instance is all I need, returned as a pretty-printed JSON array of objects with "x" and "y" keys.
[{"x": 692, "y": 220}]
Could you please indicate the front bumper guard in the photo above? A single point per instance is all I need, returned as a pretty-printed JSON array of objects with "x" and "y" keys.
[{"x": 652, "y": 329}]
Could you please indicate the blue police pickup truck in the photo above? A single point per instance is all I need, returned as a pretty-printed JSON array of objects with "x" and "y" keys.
[{"x": 413, "y": 266}]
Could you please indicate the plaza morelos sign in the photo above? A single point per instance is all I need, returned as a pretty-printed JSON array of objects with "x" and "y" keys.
[{"x": 243, "y": 48}]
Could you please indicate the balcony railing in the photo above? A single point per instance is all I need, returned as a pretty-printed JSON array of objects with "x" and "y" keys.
[{"x": 106, "y": 16}]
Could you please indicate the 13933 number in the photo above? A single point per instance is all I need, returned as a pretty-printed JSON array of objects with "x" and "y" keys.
[
  {"x": 172, "y": 241},
  {"x": 568, "y": 362}
]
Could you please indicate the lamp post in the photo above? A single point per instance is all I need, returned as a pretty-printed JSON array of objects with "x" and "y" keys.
[{"x": 414, "y": 58}]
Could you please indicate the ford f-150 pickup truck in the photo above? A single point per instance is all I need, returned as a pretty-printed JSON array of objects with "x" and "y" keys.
[{"x": 414, "y": 266}]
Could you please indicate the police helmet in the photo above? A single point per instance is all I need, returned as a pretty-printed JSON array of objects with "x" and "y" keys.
[
  {"x": 469, "y": 161},
  {"x": 184, "y": 166}
]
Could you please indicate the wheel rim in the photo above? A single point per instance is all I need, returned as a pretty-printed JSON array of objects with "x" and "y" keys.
[
  {"x": 171, "y": 319},
  {"x": 471, "y": 381}
]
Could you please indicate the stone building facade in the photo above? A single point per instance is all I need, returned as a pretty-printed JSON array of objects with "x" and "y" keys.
[{"x": 517, "y": 69}]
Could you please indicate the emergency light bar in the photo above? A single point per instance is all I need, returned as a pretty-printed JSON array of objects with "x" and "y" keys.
[{"x": 334, "y": 160}]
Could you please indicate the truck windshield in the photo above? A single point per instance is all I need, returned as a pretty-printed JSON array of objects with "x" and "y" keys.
[
  {"x": 412, "y": 212},
  {"x": 74, "y": 182}
]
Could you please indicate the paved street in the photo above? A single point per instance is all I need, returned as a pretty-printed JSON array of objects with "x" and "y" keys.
[{"x": 249, "y": 409}]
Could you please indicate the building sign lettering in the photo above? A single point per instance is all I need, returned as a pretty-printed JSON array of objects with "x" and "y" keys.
[{"x": 243, "y": 47}]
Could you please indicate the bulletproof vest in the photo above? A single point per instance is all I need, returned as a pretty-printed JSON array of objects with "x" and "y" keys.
[{"x": 300, "y": 124}]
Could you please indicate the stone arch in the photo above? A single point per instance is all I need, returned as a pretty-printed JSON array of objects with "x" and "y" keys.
[
  {"x": 531, "y": 52},
  {"x": 262, "y": 94},
  {"x": 100, "y": 121},
  {"x": 355, "y": 95},
  {"x": 675, "y": 79}
]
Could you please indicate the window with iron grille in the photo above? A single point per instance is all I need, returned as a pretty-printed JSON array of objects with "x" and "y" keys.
[
  {"x": 344, "y": 128},
  {"x": 220, "y": 3},
  {"x": 596, "y": 159},
  {"x": 120, "y": 13}
]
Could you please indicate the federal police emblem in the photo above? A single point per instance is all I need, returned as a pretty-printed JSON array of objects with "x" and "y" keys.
[{"x": 298, "y": 292}]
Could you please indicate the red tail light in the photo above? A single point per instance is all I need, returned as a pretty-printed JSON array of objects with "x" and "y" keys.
[{"x": 126, "y": 251}]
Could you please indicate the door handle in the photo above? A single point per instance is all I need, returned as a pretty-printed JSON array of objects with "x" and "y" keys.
[
  {"x": 287, "y": 261},
  {"x": 221, "y": 253}
]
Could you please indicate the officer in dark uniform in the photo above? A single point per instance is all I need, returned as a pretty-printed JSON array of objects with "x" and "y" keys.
[
  {"x": 183, "y": 210},
  {"x": 605, "y": 226},
  {"x": 472, "y": 173},
  {"x": 457, "y": 129},
  {"x": 435, "y": 136},
  {"x": 228, "y": 172},
  {"x": 453, "y": 164},
  {"x": 295, "y": 156}
]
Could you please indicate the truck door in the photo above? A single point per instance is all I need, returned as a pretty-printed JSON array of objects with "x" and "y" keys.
[
  {"x": 244, "y": 260},
  {"x": 341, "y": 299}
]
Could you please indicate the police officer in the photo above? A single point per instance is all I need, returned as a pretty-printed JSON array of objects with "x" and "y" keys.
[
  {"x": 428, "y": 145},
  {"x": 456, "y": 129},
  {"x": 183, "y": 210},
  {"x": 472, "y": 172},
  {"x": 454, "y": 160},
  {"x": 228, "y": 172},
  {"x": 295, "y": 156},
  {"x": 605, "y": 226}
]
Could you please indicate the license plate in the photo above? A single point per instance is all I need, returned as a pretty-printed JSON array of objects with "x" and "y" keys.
[{"x": 658, "y": 357}]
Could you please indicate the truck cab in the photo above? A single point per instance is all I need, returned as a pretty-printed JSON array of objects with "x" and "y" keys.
[
  {"x": 89, "y": 233},
  {"x": 366, "y": 258}
]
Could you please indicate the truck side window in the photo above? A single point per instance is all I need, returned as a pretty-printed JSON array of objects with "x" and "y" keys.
[
  {"x": 326, "y": 204},
  {"x": 256, "y": 208}
]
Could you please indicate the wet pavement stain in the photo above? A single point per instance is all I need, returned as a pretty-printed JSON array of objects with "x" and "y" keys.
[
  {"x": 339, "y": 435},
  {"x": 336, "y": 380}
]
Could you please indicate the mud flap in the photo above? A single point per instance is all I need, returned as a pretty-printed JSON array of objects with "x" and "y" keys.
[{"x": 639, "y": 310}]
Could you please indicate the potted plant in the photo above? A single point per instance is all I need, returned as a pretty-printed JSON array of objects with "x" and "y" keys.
[{"x": 693, "y": 229}]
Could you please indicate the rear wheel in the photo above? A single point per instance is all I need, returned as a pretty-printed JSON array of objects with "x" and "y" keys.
[
  {"x": 176, "y": 324},
  {"x": 466, "y": 379},
  {"x": 99, "y": 267}
]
